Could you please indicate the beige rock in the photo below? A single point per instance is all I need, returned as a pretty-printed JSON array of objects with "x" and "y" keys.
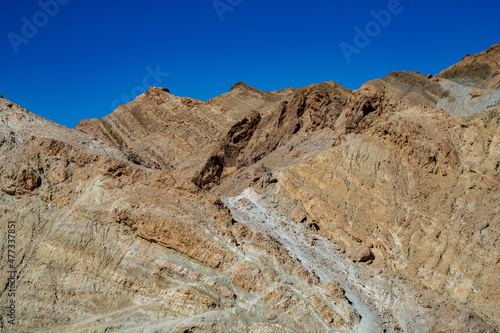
[
  {"x": 480, "y": 70},
  {"x": 361, "y": 253},
  {"x": 104, "y": 237},
  {"x": 113, "y": 235},
  {"x": 298, "y": 215},
  {"x": 475, "y": 94},
  {"x": 58, "y": 175},
  {"x": 248, "y": 277}
]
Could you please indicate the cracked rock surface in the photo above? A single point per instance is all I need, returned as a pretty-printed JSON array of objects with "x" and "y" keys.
[{"x": 318, "y": 209}]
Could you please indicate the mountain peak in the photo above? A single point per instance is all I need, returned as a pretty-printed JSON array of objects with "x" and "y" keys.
[
  {"x": 154, "y": 88},
  {"x": 481, "y": 70},
  {"x": 242, "y": 85},
  {"x": 293, "y": 199}
]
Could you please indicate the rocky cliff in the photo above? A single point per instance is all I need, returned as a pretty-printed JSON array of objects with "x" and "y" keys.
[
  {"x": 480, "y": 70},
  {"x": 317, "y": 209}
]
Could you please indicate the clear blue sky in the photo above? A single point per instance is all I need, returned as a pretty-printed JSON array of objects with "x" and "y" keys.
[{"x": 88, "y": 55}]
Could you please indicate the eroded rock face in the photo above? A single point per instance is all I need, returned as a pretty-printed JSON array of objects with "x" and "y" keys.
[
  {"x": 449, "y": 319},
  {"x": 361, "y": 253},
  {"x": 310, "y": 109},
  {"x": 405, "y": 183},
  {"x": 25, "y": 181},
  {"x": 315, "y": 209},
  {"x": 119, "y": 243},
  {"x": 405, "y": 89},
  {"x": 420, "y": 193},
  {"x": 248, "y": 277},
  {"x": 481, "y": 70},
  {"x": 178, "y": 133},
  {"x": 226, "y": 156}
]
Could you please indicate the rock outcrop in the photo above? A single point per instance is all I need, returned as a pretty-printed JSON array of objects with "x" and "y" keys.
[
  {"x": 257, "y": 136},
  {"x": 317, "y": 209},
  {"x": 481, "y": 70},
  {"x": 109, "y": 242},
  {"x": 178, "y": 133}
]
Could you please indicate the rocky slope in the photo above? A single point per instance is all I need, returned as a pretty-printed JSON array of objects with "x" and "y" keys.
[
  {"x": 319, "y": 209},
  {"x": 109, "y": 244},
  {"x": 178, "y": 133},
  {"x": 481, "y": 70},
  {"x": 418, "y": 187}
]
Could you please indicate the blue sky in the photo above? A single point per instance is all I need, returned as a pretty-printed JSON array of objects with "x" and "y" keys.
[{"x": 68, "y": 60}]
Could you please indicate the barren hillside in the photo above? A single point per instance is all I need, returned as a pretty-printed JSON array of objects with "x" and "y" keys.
[
  {"x": 317, "y": 209},
  {"x": 480, "y": 70}
]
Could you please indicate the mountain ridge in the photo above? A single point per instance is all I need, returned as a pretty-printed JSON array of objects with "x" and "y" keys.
[
  {"x": 311, "y": 209},
  {"x": 480, "y": 70}
]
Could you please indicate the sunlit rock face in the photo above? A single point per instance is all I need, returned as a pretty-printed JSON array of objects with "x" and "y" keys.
[{"x": 317, "y": 209}]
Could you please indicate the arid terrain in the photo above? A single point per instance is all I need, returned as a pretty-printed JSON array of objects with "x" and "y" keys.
[{"x": 317, "y": 209}]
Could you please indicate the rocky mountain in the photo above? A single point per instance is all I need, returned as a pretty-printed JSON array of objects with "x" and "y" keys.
[
  {"x": 318, "y": 209},
  {"x": 178, "y": 133},
  {"x": 481, "y": 70}
]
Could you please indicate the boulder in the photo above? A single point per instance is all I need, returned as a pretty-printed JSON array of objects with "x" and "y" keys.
[
  {"x": 475, "y": 93},
  {"x": 361, "y": 254}
]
